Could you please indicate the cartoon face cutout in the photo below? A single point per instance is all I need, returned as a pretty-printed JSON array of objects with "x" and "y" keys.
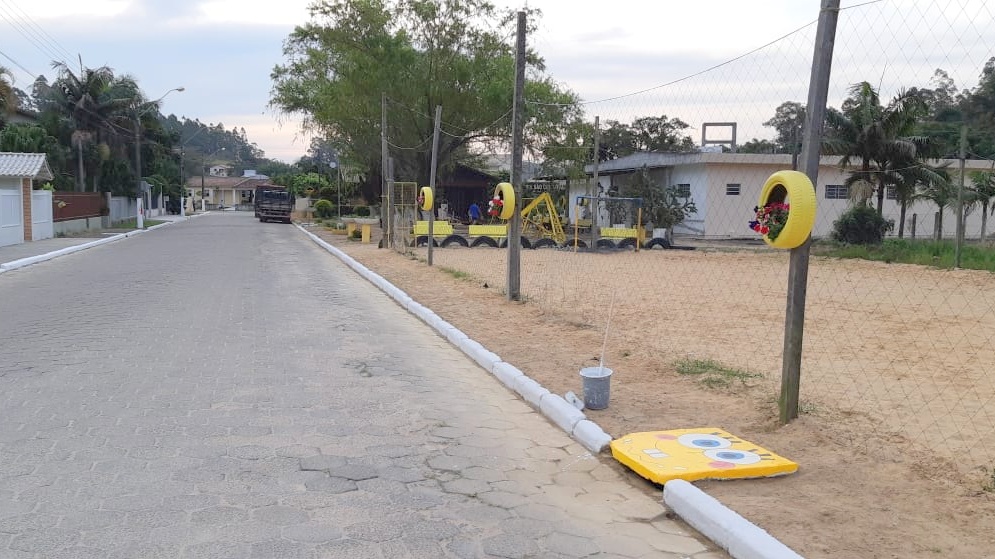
[{"x": 692, "y": 454}]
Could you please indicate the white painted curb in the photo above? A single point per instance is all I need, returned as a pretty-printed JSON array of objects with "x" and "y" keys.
[
  {"x": 56, "y": 253},
  {"x": 560, "y": 412},
  {"x": 531, "y": 390},
  {"x": 508, "y": 374},
  {"x": 591, "y": 435},
  {"x": 732, "y": 532}
]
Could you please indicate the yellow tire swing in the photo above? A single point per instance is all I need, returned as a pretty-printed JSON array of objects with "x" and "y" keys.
[
  {"x": 506, "y": 194},
  {"x": 426, "y": 199},
  {"x": 793, "y": 192}
]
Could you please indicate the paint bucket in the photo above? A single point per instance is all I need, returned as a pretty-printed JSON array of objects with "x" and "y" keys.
[{"x": 597, "y": 387}]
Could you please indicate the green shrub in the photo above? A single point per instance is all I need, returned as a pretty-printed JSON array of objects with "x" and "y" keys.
[
  {"x": 327, "y": 193},
  {"x": 861, "y": 225},
  {"x": 324, "y": 208},
  {"x": 363, "y": 211}
]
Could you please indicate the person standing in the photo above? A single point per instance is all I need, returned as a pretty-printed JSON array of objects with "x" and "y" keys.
[{"x": 474, "y": 214}]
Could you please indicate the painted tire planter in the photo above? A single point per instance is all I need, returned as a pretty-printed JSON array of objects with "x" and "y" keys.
[
  {"x": 506, "y": 193},
  {"x": 795, "y": 189},
  {"x": 427, "y": 198}
]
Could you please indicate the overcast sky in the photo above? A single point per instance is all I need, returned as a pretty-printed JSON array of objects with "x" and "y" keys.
[{"x": 222, "y": 52}]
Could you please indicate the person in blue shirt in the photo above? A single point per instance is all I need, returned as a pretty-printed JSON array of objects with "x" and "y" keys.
[{"x": 474, "y": 214}]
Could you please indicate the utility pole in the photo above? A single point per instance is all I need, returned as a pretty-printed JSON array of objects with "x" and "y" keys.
[
  {"x": 794, "y": 319},
  {"x": 140, "y": 223},
  {"x": 431, "y": 180},
  {"x": 595, "y": 202},
  {"x": 385, "y": 210},
  {"x": 517, "y": 132},
  {"x": 959, "y": 241},
  {"x": 183, "y": 185}
]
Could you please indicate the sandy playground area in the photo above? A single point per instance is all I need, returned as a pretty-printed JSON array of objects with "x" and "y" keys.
[{"x": 897, "y": 401}]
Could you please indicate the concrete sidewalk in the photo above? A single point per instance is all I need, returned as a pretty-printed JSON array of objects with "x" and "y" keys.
[{"x": 24, "y": 254}]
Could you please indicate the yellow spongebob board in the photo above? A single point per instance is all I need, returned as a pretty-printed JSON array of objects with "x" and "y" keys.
[{"x": 693, "y": 454}]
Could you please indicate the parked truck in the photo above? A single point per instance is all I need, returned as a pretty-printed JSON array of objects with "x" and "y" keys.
[{"x": 273, "y": 203}]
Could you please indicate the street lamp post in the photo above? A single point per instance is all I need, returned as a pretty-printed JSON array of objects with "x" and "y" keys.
[{"x": 138, "y": 154}]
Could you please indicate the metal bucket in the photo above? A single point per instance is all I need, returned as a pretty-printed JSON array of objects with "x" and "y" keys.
[{"x": 597, "y": 387}]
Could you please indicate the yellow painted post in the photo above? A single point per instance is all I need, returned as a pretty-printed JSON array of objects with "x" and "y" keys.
[
  {"x": 576, "y": 225},
  {"x": 639, "y": 227},
  {"x": 366, "y": 233},
  {"x": 350, "y": 226}
]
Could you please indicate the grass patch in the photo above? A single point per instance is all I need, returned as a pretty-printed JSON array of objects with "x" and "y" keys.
[
  {"x": 458, "y": 274},
  {"x": 939, "y": 254},
  {"x": 712, "y": 373}
]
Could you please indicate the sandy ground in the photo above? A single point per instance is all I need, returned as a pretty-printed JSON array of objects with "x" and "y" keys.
[{"x": 895, "y": 436}]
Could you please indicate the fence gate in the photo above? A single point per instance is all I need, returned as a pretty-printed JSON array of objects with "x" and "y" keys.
[
  {"x": 42, "y": 226},
  {"x": 405, "y": 213},
  {"x": 11, "y": 217}
]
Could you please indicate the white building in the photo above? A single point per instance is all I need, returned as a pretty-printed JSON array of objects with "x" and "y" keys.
[{"x": 725, "y": 188}]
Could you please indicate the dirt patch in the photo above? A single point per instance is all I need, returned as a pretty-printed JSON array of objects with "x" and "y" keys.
[{"x": 888, "y": 441}]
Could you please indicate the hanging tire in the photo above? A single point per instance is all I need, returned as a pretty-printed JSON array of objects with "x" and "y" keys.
[
  {"x": 422, "y": 241},
  {"x": 545, "y": 243},
  {"x": 606, "y": 243},
  {"x": 796, "y": 189},
  {"x": 627, "y": 243},
  {"x": 454, "y": 240},
  {"x": 526, "y": 243},
  {"x": 484, "y": 241},
  {"x": 657, "y": 243}
]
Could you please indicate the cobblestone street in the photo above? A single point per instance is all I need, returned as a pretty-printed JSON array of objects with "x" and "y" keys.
[{"x": 225, "y": 388}]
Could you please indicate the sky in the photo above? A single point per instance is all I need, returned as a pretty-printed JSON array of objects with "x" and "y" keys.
[{"x": 222, "y": 51}]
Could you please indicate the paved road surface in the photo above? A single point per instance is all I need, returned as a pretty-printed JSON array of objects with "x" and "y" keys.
[{"x": 225, "y": 388}]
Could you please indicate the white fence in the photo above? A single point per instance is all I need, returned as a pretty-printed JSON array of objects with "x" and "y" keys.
[
  {"x": 42, "y": 226},
  {"x": 11, "y": 219}
]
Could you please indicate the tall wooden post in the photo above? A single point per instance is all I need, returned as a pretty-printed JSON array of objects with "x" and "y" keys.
[
  {"x": 517, "y": 133},
  {"x": 431, "y": 181},
  {"x": 794, "y": 321}
]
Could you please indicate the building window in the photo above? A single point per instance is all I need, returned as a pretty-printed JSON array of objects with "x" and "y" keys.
[
  {"x": 732, "y": 189},
  {"x": 837, "y": 192},
  {"x": 683, "y": 190},
  {"x": 891, "y": 193}
]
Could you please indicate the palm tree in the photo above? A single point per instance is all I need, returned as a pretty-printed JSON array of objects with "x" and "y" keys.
[
  {"x": 983, "y": 192},
  {"x": 87, "y": 100},
  {"x": 879, "y": 137},
  {"x": 907, "y": 185},
  {"x": 940, "y": 190},
  {"x": 8, "y": 101}
]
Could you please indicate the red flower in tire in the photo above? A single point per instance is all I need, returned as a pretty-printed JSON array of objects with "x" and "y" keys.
[
  {"x": 770, "y": 219},
  {"x": 494, "y": 207}
]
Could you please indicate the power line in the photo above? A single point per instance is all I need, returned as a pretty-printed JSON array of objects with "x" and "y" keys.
[
  {"x": 19, "y": 65},
  {"x": 29, "y": 34},
  {"x": 50, "y": 39}
]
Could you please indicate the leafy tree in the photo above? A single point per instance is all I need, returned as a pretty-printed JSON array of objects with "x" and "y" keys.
[
  {"x": 421, "y": 54},
  {"x": 660, "y": 134},
  {"x": 788, "y": 122},
  {"x": 301, "y": 184},
  {"x": 31, "y": 138},
  {"x": 878, "y": 136},
  {"x": 662, "y": 206},
  {"x": 758, "y": 146}
]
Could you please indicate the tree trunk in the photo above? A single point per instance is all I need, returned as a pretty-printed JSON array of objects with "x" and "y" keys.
[
  {"x": 880, "y": 195},
  {"x": 984, "y": 219},
  {"x": 80, "y": 174},
  {"x": 939, "y": 225},
  {"x": 901, "y": 220}
]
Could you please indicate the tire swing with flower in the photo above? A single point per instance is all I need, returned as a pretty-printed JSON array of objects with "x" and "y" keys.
[
  {"x": 785, "y": 213},
  {"x": 502, "y": 204}
]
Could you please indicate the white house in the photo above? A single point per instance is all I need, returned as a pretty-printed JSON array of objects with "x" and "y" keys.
[
  {"x": 725, "y": 188},
  {"x": 25, "y": 213}
]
